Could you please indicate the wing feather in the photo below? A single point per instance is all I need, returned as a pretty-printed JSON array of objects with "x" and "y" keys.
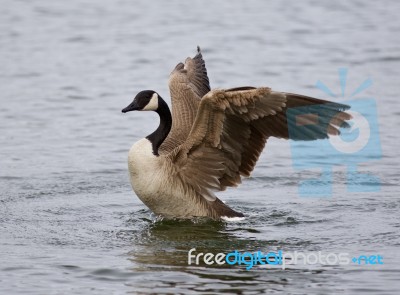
[
  {"x": 231, "y": 129},
  {"x": 187, "y": 84}
]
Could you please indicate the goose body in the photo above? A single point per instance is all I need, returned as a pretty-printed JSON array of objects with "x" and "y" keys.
[
  {"x": 166, "y": 195},
  {"x": 212, "y": 139}
]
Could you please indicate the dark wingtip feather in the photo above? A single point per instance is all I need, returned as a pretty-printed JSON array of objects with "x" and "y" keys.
[
  {"x": 345, "y": 125},
  {"x": 343, "y": 107}
]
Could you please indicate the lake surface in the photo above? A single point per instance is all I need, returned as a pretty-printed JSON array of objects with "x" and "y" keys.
[{"x": 69, "y": 221}]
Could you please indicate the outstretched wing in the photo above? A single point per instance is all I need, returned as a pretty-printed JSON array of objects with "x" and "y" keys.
[
  {"x": 232, "y": 127},
  {"x": 197, "y": 74},
  {"x": 188, "y": 83}
]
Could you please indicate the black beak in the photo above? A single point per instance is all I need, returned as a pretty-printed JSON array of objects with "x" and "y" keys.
[{"x": 132, "y": 107}]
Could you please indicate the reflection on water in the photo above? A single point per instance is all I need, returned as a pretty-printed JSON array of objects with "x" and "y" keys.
[
  {"x": 162, "y": 247},
  {"x": 165, "y": 243}
]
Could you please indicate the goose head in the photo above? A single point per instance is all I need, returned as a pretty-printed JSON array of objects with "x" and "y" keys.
[
  {"x": 146, "y": 100},
  {"x": 149, "y": 100}
]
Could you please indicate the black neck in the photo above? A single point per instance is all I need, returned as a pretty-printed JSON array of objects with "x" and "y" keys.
[{"x": 158, "y": 136}]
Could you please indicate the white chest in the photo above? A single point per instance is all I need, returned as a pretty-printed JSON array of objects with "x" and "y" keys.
[
  {"x": 155, "y": 183},
  {"x": 145, "y": 170}
]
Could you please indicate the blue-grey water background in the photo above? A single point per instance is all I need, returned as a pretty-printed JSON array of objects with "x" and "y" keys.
[{"x": 69, "y": 221}]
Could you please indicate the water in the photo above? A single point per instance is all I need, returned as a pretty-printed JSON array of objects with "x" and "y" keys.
[{"x": 69, "y": 222}]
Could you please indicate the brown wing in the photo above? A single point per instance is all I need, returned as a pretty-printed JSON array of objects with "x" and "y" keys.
[
  {"x": 187, "y": 84},
  {"x": 231, "y": 129},
  {"x": 197, "y": 74}
]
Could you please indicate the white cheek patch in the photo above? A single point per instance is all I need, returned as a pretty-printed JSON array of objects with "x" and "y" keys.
[{"x": 153, "y": 103}]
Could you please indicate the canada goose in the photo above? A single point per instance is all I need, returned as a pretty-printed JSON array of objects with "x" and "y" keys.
[{"x": 212, "y": 140}]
